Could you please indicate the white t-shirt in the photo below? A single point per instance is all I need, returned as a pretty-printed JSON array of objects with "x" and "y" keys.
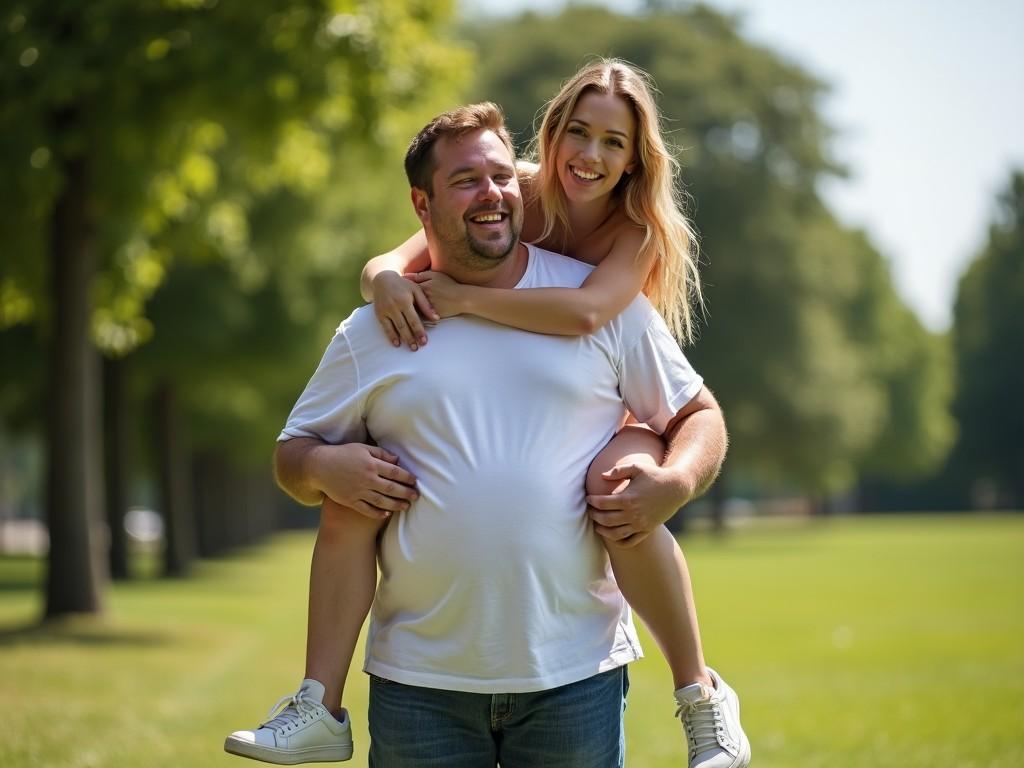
[{"x": 494, "y": 580}]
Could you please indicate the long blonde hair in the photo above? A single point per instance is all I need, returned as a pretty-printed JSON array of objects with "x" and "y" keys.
[{"x": 650, "y": 194}]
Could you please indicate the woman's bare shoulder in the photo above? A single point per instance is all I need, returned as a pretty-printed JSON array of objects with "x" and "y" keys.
[
  {"x": 527, "y": 173},
  {"x": 623, "y": 229},
  {"x": 527, "y": 169}
]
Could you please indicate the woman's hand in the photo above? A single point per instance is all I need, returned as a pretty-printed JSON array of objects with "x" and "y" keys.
[
  {"x": 398, "y": 304},
  {"x": 446, "y": 296}
]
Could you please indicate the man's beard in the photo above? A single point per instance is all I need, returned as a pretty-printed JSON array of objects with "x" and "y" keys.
[{"x": 471, "y": 252}]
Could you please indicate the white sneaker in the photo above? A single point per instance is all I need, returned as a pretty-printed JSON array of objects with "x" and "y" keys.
[
  {"x": 711, "y": 722},
  {"x": 301, "y": 731}
]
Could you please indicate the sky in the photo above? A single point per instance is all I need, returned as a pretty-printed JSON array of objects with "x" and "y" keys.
[{"x": 928, "y": 100}]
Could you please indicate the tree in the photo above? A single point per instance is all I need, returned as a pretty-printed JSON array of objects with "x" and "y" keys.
[
  {"x": 988, "y": 330},
  {"x": 240, "y": 321},
  {"x": 121, "y": 121},
  {"x": 784, "y": 346}
]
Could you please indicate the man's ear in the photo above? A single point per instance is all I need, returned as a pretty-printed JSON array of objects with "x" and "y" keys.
[{"x": 421, "y": 204}]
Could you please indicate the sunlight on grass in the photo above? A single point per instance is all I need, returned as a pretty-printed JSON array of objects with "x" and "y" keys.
[{"x": 854, "y": 642}]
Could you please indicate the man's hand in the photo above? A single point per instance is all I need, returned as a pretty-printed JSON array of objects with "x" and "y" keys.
[
  {"x": 365, "y": 478},
  {"x": 649, "y": 496},
  {"x": 649, "y": 493}
]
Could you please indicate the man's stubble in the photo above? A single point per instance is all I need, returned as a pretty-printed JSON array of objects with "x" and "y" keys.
[{"x": 471, "y": 253}]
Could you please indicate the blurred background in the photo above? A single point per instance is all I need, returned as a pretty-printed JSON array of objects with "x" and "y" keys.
[{"x": 191, "y": 187}]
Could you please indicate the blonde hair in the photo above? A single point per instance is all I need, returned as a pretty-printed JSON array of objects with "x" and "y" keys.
[{"x": 650, "y": 194}]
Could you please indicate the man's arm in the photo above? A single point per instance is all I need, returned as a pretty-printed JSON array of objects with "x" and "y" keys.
[
  {"x": 696, "y": 444},
  {"x": 365, "y": 478}
]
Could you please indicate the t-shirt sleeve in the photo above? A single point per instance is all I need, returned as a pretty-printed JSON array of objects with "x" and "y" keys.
[
  {"x": 331, "y": 407},
  {"x": 655, "y": 378}
]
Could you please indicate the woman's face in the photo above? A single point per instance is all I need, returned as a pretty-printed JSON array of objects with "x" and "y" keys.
[{"x": 598, "y": 146}]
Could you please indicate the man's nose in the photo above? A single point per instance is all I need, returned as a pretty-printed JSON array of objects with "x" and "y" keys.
[{"x": 489, "y": 190}]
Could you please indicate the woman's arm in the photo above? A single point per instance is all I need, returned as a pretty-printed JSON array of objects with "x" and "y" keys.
[
  {"x": 410, "y": 256},
  {"x": 559, "y": 311},
  {"x": 397, "y": 302}
]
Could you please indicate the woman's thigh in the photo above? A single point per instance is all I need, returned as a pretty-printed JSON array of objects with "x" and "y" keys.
[{"x": 632, "y": 443}]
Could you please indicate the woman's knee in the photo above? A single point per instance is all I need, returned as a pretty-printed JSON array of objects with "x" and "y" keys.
[
  {"x": 633, "y": 443},
  {"x": 339, "y": 521}
]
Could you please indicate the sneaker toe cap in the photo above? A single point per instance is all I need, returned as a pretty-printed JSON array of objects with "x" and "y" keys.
[{"x": 262, "y": 737}]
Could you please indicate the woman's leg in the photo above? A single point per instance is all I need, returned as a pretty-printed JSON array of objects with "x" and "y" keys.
[
  {"x": 653, "y": 575},
  {"x": 342, "y": 581}
]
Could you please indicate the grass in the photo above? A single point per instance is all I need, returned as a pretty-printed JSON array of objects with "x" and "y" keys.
[{"x": 854, "y": 642}]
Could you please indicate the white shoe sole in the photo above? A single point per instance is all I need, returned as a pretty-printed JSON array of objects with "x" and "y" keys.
[
  {"x": 329, "y": 754},
  {"x": 743, "y": 758}
]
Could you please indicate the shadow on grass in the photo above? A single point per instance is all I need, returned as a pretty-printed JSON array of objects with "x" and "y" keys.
[
  {"x": 80, "y": 631},
  {"x": 19, "y": 585}
]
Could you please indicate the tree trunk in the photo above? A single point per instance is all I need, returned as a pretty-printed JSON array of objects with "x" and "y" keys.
[
  {"x": 179, "y": 528},
  {"x": 211, "y": 493},
  {"x": 76, "y": 572},
  {"x": 116, "y": 463}
]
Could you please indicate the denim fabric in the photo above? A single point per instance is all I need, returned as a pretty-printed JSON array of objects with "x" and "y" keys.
[{"x": 574, "y": 726}]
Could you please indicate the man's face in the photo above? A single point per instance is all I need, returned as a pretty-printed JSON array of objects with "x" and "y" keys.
[{"x": 476, "y": 212}]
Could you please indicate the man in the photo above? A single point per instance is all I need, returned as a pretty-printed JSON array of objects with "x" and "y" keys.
[{"x": 497, "y": 632}]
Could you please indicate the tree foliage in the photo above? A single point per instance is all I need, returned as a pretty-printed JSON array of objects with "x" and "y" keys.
[
  {"x": 821, "y": 369},
  {"x": 988, "y": 336},
  {"x": 195, "y": 117}
]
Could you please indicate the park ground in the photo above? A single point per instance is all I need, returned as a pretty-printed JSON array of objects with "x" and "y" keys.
[{"x": 854, "y": 642}]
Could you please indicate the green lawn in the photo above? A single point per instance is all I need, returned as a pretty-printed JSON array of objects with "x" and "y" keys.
[{"x": 856, "y": 642}]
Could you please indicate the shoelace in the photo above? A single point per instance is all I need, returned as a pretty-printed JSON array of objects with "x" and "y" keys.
[
  {"x": 702, "y": 722},
  {"x": 294, "y": 710}
]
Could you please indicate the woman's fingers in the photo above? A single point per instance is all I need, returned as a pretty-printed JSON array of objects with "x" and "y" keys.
[
  {"x": 401, "y": 324},
  {"x": 389, "y": 328},
  {"x": 425, "y": 308},
  {"x": 414, "y": 337}
]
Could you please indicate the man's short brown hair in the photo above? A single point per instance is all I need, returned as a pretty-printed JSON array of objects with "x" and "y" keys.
[{"x": 419, "y": 158}]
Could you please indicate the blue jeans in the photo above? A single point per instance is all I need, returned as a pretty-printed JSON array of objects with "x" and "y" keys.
[{"x": 575, "y": 726}]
